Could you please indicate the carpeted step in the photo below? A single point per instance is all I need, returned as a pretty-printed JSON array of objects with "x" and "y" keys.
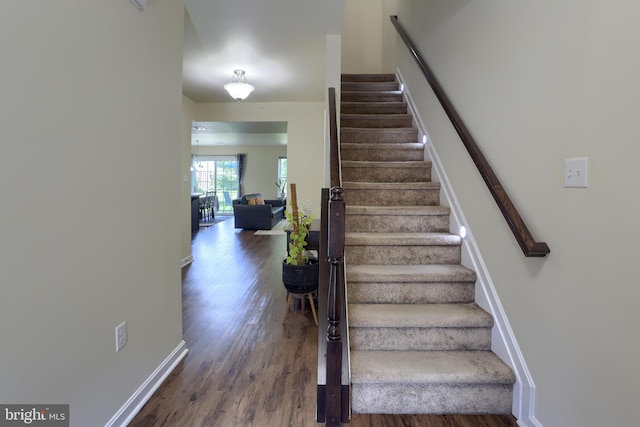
[
  {"x": 373, "y": 108},
  {"x": 402, "y": 248},
  {"x": 436, "y": 382},
  {"x": 386, "y": 96},
  {"x": 391, "y": 194},
  {"x": 404, "y": 284},
  {"x": 368, "y": 77},
  {"x": 369, "y": 86},
  {"x": 392, "y": 152},
  {"x": 378, "y": 135},
  {"x": 376, "y": 120},
  {"x": 397, "y": 219},
  {"x": 361, "y": 171},
  {"x": 436, "y": 327}
]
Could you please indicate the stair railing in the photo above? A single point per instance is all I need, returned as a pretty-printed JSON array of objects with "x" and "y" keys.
[
  {"x": 333, "y": 391},
  {"x": 530, "y": 247}
]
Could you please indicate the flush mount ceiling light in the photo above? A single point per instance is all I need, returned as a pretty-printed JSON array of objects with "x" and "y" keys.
[{"x": 238, "y": 87}]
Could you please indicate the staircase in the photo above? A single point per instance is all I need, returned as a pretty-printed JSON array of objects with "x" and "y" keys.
[{"x": 419, "y": 343}]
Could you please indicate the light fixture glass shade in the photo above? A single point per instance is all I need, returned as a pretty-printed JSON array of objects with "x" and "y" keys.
[{"x": 238, "y": 87}]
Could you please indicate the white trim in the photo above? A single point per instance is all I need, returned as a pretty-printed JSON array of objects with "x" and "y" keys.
[
  {"x": 531, "y": 422},
  {"x": 137, "y": 400},
  {"x": 503, "y": 341},
  {"x": 186, "y": 261}
]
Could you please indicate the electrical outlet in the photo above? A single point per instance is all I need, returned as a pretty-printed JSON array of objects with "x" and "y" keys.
[{"x": 121, "y": 336}]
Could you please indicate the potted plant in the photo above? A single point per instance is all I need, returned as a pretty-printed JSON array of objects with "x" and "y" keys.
[
  {"x": 299, "y": 270},
  {"x": 281, "y": 185}
]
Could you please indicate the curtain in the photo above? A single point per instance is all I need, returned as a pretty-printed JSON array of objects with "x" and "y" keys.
[{"x": 241, "y": 159}]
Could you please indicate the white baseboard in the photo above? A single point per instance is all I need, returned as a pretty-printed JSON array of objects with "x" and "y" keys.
[
  {"x": 186, "y": 261},
  {"x": 531, "y": 422},
  {"x": 503, "y": 341},
  {"x": 132, "y": 406}
]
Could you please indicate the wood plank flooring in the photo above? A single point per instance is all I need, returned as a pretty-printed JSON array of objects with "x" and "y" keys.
[{"x": 244, "y": 367}]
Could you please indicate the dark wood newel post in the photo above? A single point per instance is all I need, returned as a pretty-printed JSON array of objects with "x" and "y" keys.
[{"x": 334, "y": 309}]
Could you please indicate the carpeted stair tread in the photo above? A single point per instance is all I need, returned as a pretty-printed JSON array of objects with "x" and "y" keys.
[
  {"x": 418, "y": 316},
  {"x": 386, "y": 96},
  {"x": 401, "y": 164},
  {"x": 397, "y": 186},
  {"x": 383, "y": 86},
  {"x": 375, "y": 273},
  {"x": 382, "y": 146},
  {"x": 392, "y": 151},
  {"x": 407, "y": 193},
  {"x": 378, "y": 135},
  {"x": 457, "y": 367},
  {"x": 373, "y": 107},
  {"x": 375, "y": 116},
  {"x": 370, "y": 121},
  {"x": 346, "y": 77},
  {"x": 402, "y": 239},
  {"x": 398, "y": 210}
]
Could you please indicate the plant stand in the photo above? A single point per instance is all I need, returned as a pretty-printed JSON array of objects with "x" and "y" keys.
[
  {"x": 301, "y": 280},
  {"x": 308, "y": 295}
]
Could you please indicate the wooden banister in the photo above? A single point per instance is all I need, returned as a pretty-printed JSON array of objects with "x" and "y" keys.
[
  {"x": 333, "y": 400},
  {"x": 334, "y": 152},
  {"x": 530, "y": 247}
]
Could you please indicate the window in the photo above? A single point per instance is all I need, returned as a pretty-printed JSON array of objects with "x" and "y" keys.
[
  {"x": 219, "y": 174},
  {"x": 282, "y": 175}
]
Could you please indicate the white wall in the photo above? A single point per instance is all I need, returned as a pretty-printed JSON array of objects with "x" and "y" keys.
[
  {"x": 536, "y": 83},
  {"x": 366, "y": 36},
  {"x": 305, "y": 138},
  {"x": 261, "y": 165},
  {"x": 90, "y": 183}
]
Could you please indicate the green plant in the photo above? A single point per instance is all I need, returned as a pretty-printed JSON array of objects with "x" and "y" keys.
[
  {"x": 282, "y": 185},
  {"x": 299, "y": 222}
]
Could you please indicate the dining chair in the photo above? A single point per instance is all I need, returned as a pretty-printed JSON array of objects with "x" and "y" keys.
[
  {"x": 227, "y": 200},
  {"x": 206, "y": 206}
]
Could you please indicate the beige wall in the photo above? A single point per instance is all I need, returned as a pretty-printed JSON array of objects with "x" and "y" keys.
[
  {"x": 367, "y": 35},
  {"x": 90, "y": 181},
  {"x": 536, "y": 83},
  {"x": 305, "y": 139}
]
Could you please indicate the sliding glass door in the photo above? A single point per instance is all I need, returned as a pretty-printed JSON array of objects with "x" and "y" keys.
[{"x": 218, "y": 174}]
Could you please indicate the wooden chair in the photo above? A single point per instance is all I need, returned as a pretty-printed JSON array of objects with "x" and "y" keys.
[{"x": 206, "y": 206}]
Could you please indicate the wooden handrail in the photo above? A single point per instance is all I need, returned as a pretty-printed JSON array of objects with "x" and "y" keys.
[
  {"x": 334, "y": 151},
  {"x": 530, "y": 247}
]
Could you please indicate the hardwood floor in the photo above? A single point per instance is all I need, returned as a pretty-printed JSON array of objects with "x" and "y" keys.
[{"x": 244, "y": 367}]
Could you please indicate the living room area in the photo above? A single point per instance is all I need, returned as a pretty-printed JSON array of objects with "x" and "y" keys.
[{"x": 239, "y": 170}]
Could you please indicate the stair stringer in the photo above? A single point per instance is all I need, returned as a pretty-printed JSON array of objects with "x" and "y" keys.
[{"x": 503, "y": 340}]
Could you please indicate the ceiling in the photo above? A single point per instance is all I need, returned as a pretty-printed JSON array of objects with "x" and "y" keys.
[
  {"x": 279, "y": 43},
  {"x": 239, "y": 133}
]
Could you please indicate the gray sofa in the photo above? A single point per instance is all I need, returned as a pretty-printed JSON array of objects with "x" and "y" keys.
[{"x": 252, "y": 212}]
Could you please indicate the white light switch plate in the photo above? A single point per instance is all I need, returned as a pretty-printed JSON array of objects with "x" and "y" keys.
[
  {"x": 121, "y": 336},
  {"x": 576, "y": 172}
]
